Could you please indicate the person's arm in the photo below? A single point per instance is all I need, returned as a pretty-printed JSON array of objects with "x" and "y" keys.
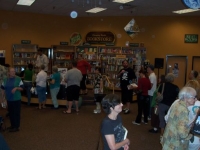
[
  {"x": 45, "y": 61},
  {"x": 19, "y": 87},
  {"x": 120, "y": 73},
  {"x": 111, "y": 142},
  {"x": 2, "y": 93},
  {"x": 101, "y": 85}
]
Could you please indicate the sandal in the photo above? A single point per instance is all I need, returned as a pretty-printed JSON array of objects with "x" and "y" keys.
[
  {"x": 38, "y": 108},
  {"x": 65, "y": 112}
]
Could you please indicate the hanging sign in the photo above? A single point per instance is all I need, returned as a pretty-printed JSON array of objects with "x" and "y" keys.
[
  {"x": 75, "y": 39},
  {"x": 100, "y": 37}
]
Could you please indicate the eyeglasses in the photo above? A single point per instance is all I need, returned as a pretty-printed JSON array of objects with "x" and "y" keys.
[{"x": 194, "y": 97}]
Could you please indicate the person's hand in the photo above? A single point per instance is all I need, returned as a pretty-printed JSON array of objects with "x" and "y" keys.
[
  {"x": 122, "y": 71},
  {"x": 127, "y": 141},
  {"x": 13, "y": 90},
  {"x": 126, "y": 147}
]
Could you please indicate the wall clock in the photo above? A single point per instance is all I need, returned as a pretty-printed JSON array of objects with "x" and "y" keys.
[{"x": 193, "y": 4}]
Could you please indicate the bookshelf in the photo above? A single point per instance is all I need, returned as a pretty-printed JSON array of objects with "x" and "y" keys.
[
  {"x": 23, "y": 54},
  {"x": 62, "y": 55}
]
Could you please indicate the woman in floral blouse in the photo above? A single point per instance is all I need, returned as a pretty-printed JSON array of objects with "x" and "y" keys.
[{"x": 176, "y": 135}]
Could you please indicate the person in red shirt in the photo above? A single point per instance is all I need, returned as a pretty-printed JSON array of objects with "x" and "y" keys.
[
  {"x": 84, "y": 67},
  {"x": 143, "y": 99}
]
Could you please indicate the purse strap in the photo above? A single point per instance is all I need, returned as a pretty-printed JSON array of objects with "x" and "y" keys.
[{"x": 163, "y": 87}]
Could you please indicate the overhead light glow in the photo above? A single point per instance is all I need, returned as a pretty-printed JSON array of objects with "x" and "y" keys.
[
  {"x": 122, "y": 1},
  {"x": 25, "y": 2},
  {"x": 183, "y": 11},
  {"x": 96, "y": 10}
]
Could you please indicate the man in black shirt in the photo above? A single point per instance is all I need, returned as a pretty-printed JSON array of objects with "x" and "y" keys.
[{"x": 126, "y": 76}]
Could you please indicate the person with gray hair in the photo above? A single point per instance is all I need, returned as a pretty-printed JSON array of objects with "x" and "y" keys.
[
  {"x": 170, "y": 94},
  {"x": 41, "y": 87},
  {"x": 54, "y": 81},
  {"x": 177, "y": 131}
]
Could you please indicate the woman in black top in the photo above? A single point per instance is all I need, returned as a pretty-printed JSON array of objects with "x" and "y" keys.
[
  {"x": 170, "y": 94},
  {"x": 114, "y": 134}
]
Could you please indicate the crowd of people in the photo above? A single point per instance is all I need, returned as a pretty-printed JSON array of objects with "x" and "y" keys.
[{"x": 172, "y": 111}]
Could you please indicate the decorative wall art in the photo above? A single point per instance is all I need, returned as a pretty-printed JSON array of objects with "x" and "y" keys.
[{"x": 132, "y": 28}]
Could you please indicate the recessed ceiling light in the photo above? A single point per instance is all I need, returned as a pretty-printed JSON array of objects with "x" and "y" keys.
[
  {"x": 96, "y": 10},
  {"x": 122, "y": 1},
  {"x": 185, "y": 11},
  {"x": 25, "y": 2}
]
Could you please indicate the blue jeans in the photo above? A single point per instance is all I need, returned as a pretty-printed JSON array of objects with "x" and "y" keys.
[
  {"x": 27, "y": 87},
  {"x": 41, "y": 92},
  {"x": 54, "y": 93}
]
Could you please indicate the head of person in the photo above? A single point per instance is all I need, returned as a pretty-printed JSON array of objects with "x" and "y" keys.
[
  {"x": 188, "y": 95},
  {"x": 111, "y": 102},
  {"x": 125, "y": 63},
  {"x": 74, "y": 64},
  {"x": 42, "y": 67},
  {"x": 97, "y": 70},
  {"x": 80, "y": 56},
  {"x": 55, "y": 69},
  {"x": 169, "y": 77},
  {"x": 150, "y": 68},
  {"x": 161, "y": 79},
  {"x": 39, "y": 52},
  {"x": 30, "y": 66},
  {"x": 142, "y": 73},
  {"x": 11, "y": 72},
  {"x": 193, "y": 75},
  {"x": 195, "y": 85}
]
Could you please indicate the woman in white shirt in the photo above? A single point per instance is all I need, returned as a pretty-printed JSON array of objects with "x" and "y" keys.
[{"x": 41, "y": 87}]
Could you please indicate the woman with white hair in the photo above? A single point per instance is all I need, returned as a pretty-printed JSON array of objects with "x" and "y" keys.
[{"x": 177, "y": 132}]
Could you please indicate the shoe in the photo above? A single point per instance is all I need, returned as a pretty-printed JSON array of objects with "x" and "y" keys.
[
  {"x": 127, "y": 111},
  {"x": 153, "y": 131},
  {"x": 149, "y": 118},
  {"x": 54, "y": 107},
  {"x": 136, "y": 123},
  {"x": 145, "y": 122},
  {"x": 124, "y": 109},
  {"x": 14, "y": 130},
  {"x": 10, "y": 128},
  {"x": 97, "y": 111}
]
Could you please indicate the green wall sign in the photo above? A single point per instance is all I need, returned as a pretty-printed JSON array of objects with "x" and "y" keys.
[
  {"x": 25, "y": 41},
  {"x": 191, "y": 38},
  {"x": 134, "y": 44},
  {"x": 63, "y": 43}
]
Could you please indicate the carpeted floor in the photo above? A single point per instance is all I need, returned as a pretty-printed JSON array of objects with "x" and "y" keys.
[{"x": 49, "y": 129}]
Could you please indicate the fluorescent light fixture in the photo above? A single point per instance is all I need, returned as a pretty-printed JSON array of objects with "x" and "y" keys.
[
  {"x": 25, "y": 2},
  {"x": 183, "y": 11},
  {"x": 96, "y": 10},
  {"x": 122, "y": 1}
]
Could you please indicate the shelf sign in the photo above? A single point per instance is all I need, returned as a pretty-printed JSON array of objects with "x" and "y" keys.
[
  {"x": 25, "y": 41},
  {"x": 75, "y": 39},
  {"x": 191, "y": 38},
  {"x": 110, "y": 44},
  {"x": 120, "y": 56},
  {"x": 100, "y": 37},
  {"x": 63, "y": 43},
  {"x": 134, "y": 44}
]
